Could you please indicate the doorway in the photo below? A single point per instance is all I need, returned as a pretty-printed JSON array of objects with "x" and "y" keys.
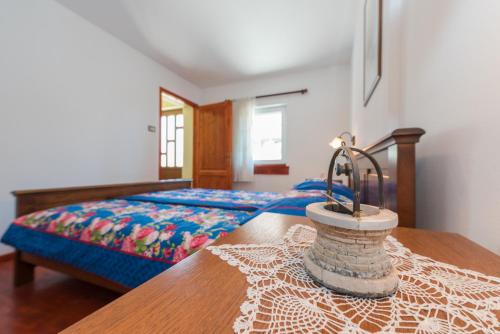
[
  {"x": 176, "y": 136},
  {"x": 195, "y": 141}
]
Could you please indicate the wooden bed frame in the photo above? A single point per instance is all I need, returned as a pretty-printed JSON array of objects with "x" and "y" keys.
[
  {"x": 28, "y": 201},
  {"x": 395, "y": 153}
]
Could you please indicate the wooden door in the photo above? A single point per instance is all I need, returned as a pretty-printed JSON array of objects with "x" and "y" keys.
[{"x": 213, "y": 146}]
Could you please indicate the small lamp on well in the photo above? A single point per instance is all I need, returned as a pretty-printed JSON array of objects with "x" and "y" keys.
[{"x": 340, "y": 140}]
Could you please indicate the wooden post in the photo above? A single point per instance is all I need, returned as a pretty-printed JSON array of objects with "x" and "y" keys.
[{"x": 24, "y": 272}]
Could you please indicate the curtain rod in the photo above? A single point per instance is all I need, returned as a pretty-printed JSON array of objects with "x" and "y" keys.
[{"x": 302, "y": 91}]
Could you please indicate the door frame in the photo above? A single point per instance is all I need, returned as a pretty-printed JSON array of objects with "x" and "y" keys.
[{"x": 195, "y": 110}]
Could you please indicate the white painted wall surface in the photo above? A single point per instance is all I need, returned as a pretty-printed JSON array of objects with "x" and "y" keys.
[
  {"x": 74, "y": 103},
  {"x": 382, "y": 114},
  {"x": 312, "y": 120},
  {"x": 452, "y": 73},
  {"x": 449, "y": 60}
]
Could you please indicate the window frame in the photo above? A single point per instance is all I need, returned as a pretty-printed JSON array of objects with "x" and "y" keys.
[
  {"x": 167, "y": 113},
  {"x": 281, "y": 107}
]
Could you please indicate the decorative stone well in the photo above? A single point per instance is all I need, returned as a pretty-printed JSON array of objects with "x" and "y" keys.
[{"x": 348, "y": 253}]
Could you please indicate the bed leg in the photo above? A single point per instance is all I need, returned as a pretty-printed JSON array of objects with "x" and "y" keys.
[{"x": 24, "y": 272}]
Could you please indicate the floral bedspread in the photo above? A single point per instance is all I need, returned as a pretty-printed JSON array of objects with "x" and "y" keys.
[
  {"x": 152, "y": 231},
  {"x": 226, "y": 199},
  {"x": 165, "y": 232}
]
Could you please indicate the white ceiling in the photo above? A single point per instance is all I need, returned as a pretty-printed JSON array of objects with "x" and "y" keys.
[{"x": 213, "y": 42}]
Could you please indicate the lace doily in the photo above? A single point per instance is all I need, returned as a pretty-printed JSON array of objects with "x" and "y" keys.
[{"x": 433, "y": 297}]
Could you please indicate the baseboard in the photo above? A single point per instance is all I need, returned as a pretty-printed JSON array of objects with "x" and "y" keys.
[{"x": 7, "y": 257}]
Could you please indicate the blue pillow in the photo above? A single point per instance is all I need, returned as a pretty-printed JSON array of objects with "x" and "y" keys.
[{"x": 320, "y": 184}]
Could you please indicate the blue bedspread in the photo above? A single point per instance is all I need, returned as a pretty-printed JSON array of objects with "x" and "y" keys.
[
  {"x": 124, "y": 241},
  {"x": 292, "y": 202},
  {"x": 228, "y": 199},
  {"x": 224, "y": 199},
  {"x": 295, "y": 206}
]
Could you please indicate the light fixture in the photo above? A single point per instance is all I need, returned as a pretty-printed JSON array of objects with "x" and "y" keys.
[{"x": 339, "y": 140}]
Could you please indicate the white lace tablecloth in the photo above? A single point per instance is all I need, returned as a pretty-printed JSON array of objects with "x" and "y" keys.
[{"x": 433, "y": 297}]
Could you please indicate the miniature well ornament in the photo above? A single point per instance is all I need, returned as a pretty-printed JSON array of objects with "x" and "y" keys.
[{"x": 348, "y": 253}]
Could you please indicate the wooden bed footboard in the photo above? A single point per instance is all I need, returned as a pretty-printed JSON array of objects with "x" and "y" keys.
[
  {"x": 28, "y": 201},
  {"x": 24, "y": 272}
]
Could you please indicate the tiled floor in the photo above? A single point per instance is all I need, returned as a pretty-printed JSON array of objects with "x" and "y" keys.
[{"x": 51, "y": 303}]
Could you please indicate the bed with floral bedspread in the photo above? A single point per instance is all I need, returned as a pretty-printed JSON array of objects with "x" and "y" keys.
[
  {"x": 132, "y": 239},
  {"x": 124, "y": 241}
]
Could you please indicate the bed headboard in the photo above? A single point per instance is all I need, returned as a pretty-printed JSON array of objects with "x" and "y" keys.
[{"x": 396, "y": 155}]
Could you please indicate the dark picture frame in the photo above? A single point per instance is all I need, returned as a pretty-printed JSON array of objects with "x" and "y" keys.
[{"x": 372, "y": 48}]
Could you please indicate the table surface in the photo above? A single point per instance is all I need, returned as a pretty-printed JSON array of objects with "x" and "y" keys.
[{"x": 203, "y": 294}]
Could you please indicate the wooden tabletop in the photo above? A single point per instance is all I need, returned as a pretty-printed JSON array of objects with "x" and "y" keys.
[{"x": 203, "y": 294}]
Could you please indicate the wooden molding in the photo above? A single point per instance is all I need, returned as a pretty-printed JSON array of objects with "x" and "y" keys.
[
  {"x": 186, "y": 101},
  {"x": 398, "y": 136},
  {"x": 271, "y": 169}
]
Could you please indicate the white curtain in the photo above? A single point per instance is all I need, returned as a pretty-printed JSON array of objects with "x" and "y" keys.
[{"x": 242, "y": 140}]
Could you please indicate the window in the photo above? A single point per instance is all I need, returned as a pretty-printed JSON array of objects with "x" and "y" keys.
[
  {"x": 268, "y": 131},
  {"x": 172, "y": 139}
]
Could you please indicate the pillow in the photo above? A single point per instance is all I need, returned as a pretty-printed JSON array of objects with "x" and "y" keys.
[
  {"x": 321, "y": 184},
  {"x": 311, "y": 184}
]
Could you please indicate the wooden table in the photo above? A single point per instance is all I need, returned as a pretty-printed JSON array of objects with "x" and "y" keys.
[{"x": 203, "y": 294}]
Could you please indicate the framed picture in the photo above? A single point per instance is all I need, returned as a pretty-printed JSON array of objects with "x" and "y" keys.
[{"x": 372, "y": 51}]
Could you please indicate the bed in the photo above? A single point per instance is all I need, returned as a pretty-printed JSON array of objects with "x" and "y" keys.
[
  {"x": 126, "y": 242},
  {"x": 119, "y": 236},
  {"x": 130, "y": 239}
]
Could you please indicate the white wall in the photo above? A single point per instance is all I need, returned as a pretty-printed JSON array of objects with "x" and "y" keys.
[
  {"x": 449, "y": 65},
  {"x": 312, "y": 120},
  {"x": 452, "y": 69},
  {"x": 74, "y": 103},
  {"x": 382, "y": 114}
]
